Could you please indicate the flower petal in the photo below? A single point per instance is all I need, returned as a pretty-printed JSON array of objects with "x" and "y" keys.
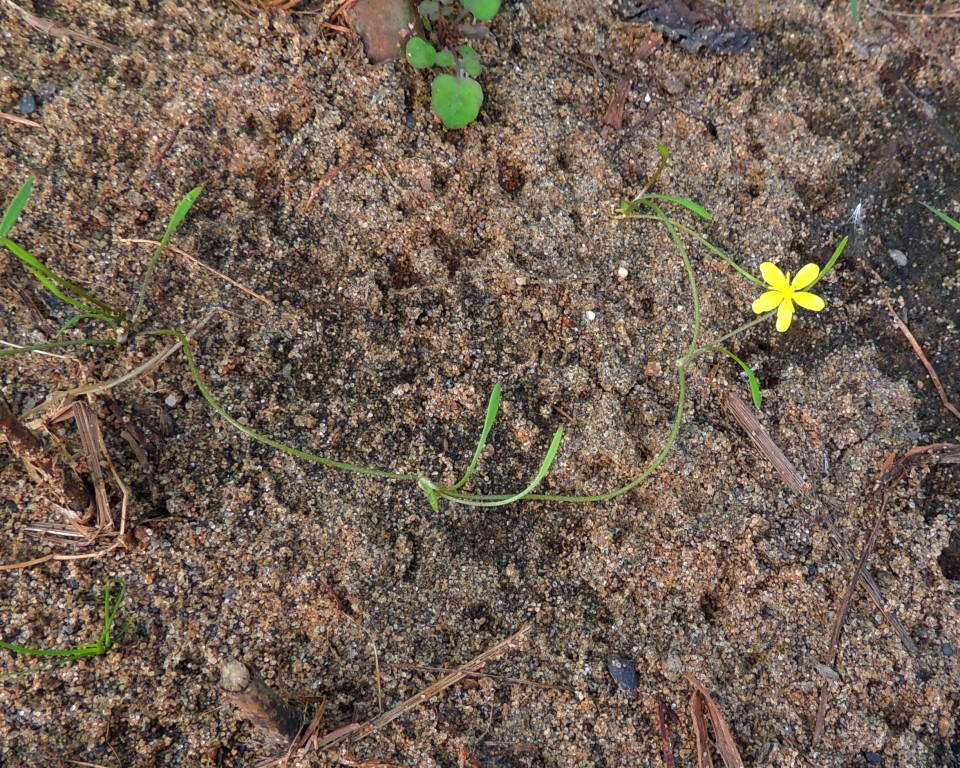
[
  {"x": 809, "y": 301},
  {"x": 767, "y": 301},
  {"x": 785, "y": 315},
  {"x": 805, "y": 276},
  {"x": 773, "y": 276}
]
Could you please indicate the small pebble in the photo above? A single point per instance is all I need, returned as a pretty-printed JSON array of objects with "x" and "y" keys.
[
  {"x": 827, "y": 673},
  {"x": 622, "y": 273},
  {"x": 873, "y": 758},
  {"x": 411, "y": 121},
  {"x": 899, "y": 257},
  {"x": 623, "y": 674},
  {"x": 287, "y": 370},
  {"x": 947, "y": 650},
  {"x": 171, "y": 401},
  {"x": 27, "y": 104},
  {"x": 811, "y": 570},
  {"x": 591, "y": 315}
]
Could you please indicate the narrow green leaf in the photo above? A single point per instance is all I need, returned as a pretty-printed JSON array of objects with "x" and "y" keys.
[
  {"x": 952, "y": 222},
  {"x": 16, "y": 207},
  {"x": 664, "y": 151},
  {"x": 855, "y": 10},
  {"x": 54, "y": 282},
  {"x": 544, "y": 468},
  {"x": 86, "y": 316},
  {"x": 829, "y": 266},
  {"x": 493, "y": 406},
  {"x": 685, "y": 202},
  {"x": 751, "y": 376},
  {"x": 182, "y": 209},
  {"x": 434, "y": 502}
]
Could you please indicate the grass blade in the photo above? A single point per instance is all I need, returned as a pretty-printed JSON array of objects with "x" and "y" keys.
[
  {"x": 751, "y": 376},
  {"x": 16, "y": 207},
  {"x": 544, "y": 468},
  {"x": 493, "y": 406},
  {"x": 829, "y": 266},
  {"x": 952, "y": 222},
  {"x": 178, "y": 215},
  {"x": 855, "y": 10},
  {"x": 56, "y": 284},
  {"x": 685, "y": 202}
]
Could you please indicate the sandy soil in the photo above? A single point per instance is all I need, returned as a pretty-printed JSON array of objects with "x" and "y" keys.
[{"x": 428, "y": 266}]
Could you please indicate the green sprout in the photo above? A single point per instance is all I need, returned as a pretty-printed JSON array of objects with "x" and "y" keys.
[
  {"x": 456, "y": 98},
  {"x": 113, "y": 595},
  {"x": 951, "y": 221}
]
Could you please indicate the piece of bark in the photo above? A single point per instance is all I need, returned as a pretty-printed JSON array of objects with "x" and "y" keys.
[
  {"x": 43, "y": 466},
  {"x": 276, "y": 721}
]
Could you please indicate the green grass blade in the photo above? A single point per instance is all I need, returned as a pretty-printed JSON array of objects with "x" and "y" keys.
[
  {"x": 56, "y": 284},
  {"x": 855, "y": 10},
  {"x": 71, "y": 322},
  {"x": 952, "y": 222},
  {"x": 493, "y": 406},
  {"x": 751, "y": 376},
  {"x": 544, "y": 469},
  {"x": 111, "y": 605},
  {"x": 829, "y": 266},
  {"x": 178, "y": 215},
  {"x": 16, "y": 208},
  {"x": 685, "y": 202}
]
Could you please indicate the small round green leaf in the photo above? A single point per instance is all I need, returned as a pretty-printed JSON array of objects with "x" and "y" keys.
[
  {"x": 420, "y": 53},
  {"x": 471, "y": 67},
  {"x": 482, "y": 10},
  {"x": 446, "y": 59},
  {"x": 456, "y": 100},
  {"x": 467, "y": 51}
]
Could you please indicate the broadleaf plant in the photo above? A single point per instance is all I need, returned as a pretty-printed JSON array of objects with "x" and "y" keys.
[{"x": 456, "y": 98}]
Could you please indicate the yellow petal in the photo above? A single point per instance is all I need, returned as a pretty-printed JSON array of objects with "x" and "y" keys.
[
  {"x": 767, "y": 301},
  {"x": 809, "y": 301},
  {"x": 805, "y": 276},
  {"x": 784, "y": 315},
  {"x": 773, "y": 276}
]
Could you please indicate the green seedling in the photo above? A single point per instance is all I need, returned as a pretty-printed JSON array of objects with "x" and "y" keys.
[
  {"x": 457, "y": 97},
  {"x": 951, "y": 221},
  {"x": 113, "y": 595},
  {"x": 781, "y": 296}
]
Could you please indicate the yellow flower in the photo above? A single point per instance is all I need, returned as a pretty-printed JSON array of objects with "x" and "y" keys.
[{"x": 784, "y": 292}]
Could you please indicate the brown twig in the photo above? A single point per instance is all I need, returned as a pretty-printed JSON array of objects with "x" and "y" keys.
[
  {"x": 20, "y": 120},
  {"x": 923, "y": 359},
  {"x": 274, "y": 719},
  {"x": 485, "y": 675},
  {"x": 356, "y": 731},
  {"x": 191, "y": 258},
  {"x": 325, "y": 179},
  {"x": 47, "y": 27},
  {"x": 724, "y": 738},
  {"x": 745, "y": 418},
  {"x": 42, "y": 466},
  {"x": 665, "y": 747},
  {"x": 842, "y": 616}
]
